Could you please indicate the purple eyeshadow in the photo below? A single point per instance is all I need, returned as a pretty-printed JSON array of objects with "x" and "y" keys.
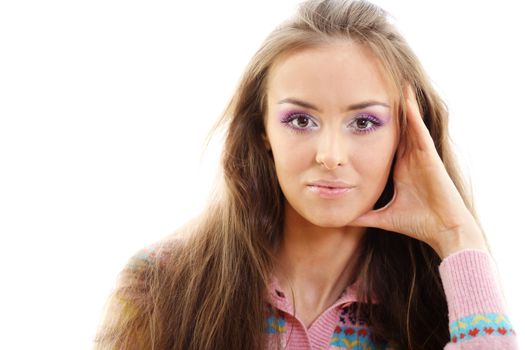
[
  {"x": 287, "y": 117},
  {"x": 370, "y": 117}
]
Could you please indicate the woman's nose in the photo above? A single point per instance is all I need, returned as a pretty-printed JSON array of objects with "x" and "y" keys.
[{"x": 332, "y": 150}]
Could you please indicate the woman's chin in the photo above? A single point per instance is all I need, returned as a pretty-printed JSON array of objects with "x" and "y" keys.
[{"x": 332, "y": 221}]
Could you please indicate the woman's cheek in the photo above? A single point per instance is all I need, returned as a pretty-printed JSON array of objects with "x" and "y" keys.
[{"x": 374, "y": 161}]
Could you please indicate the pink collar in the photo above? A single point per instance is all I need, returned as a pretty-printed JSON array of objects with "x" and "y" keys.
[{"x": 278, "y": 299}]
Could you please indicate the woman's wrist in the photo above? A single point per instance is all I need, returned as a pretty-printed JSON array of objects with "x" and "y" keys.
[{"x": 461, "y": 237}]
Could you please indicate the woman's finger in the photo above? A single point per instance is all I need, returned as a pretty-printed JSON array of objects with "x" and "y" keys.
[
  {"x": 417, "y": 132},
  {"x": 380, "y": 218}
]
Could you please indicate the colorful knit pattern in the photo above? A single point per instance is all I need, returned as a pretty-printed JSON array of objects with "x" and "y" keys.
[
  {"x": 146, "y": 256},
  {"x": 480, "y": 325},
  {"x": 352, "y": 332},
  {"x": 149, "y": 256},
  {"x": 275, "y": 323},
  {"x": 355, "y": 338}
]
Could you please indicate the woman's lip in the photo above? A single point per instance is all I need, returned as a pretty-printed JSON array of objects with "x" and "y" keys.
[
  {"x": 330, "y": 184},
  {"x": 328, "y": 192}
]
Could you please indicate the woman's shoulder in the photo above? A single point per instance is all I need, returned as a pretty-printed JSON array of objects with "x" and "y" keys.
[
  {"x": 168, "y": 248},
  {"x": 158, "y": 253}
]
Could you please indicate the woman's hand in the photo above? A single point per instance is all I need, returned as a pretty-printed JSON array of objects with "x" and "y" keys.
[{"x": 426, "y": 204}]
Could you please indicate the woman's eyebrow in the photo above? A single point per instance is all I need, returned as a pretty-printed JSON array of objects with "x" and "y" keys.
[{"x": 359, "y": 105}]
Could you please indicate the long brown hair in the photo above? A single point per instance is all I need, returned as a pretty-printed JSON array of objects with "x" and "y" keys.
[{"x": 208, "y": 289}]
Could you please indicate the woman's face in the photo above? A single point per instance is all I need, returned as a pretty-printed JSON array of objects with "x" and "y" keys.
[{"x": 333, "y": 132}]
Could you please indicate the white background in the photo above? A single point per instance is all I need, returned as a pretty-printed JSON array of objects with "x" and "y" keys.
[{"x": 105, "y": 105}]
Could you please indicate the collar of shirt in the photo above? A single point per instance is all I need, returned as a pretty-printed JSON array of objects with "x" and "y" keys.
[{"x": 277, "y": 298}]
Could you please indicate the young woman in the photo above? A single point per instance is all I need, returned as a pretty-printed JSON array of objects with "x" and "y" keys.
[{"x": 341, "y": 222}]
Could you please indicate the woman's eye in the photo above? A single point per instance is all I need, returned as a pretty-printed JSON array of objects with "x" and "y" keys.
[
  {"x": 365, "y": 124},
  {"x": 301, "y": 122}
]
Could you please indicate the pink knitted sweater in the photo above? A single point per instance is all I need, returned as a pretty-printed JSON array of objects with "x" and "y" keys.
[{"x": 477, "y": 317}]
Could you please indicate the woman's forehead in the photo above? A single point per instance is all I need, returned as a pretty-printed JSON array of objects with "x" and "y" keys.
[{"x": 331, "y": 72}]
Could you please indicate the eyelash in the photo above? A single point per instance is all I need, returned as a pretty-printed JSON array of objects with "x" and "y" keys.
[{"x": 288, "y": 120}]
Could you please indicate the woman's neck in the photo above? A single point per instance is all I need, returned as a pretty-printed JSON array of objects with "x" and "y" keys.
[{"x": 315, "y": 264}]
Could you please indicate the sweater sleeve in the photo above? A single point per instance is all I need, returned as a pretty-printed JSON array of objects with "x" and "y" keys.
[
  {"x": 125, "y": 323},
  {"x": 477, "y": 318}
]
